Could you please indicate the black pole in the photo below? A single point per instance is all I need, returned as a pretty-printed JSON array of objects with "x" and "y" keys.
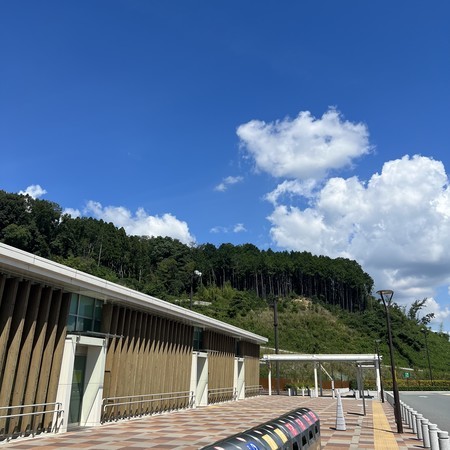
[
  {"x": 192, "y": 290},
  {"x": 361, "y": 378},
  {"x": 277, "y": 350},
  {"x": 379, "y": 369},
  {"x": 425, "y": 332},
  {"x": 397, "y": 411}
]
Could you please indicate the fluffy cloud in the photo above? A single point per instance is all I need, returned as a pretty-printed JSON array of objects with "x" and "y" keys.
[
  {"x": 226, "y": 182},
  {"x": 304, "y": 148},
  {"x": 440, "y": 313},
  {"x": 238, "y": 228},
  {"x": 141, "y": 224},
  {"x": 291, "y": 188},
  {"x": 72, "y": 212},
  {"x": 397, "y": 225},
  {"x": 34, "y": 191}
]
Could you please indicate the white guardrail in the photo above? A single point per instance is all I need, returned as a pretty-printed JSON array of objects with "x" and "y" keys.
[{"x": 431, "y": 436}]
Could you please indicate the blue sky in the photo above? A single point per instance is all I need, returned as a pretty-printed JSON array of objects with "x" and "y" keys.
[{"x": 319, "y": 126}]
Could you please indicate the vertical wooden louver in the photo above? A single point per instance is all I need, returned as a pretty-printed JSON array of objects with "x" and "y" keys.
[
  {"x": 221, "y": 355},
  {"x": 147, "y": 355},
  {"x": 33, "y": 322}
]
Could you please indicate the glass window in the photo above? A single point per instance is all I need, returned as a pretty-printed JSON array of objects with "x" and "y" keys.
[
  {"x": 84, "y": 324},
  {"x": 74, "y": 304},
  {"x": 85, "y": 313},
  {"x": 86, "y": 306},
  {"x": 98, "y": 310},
  {"x": 71, "y": 323},
  {"x": 198, "y": 338}
]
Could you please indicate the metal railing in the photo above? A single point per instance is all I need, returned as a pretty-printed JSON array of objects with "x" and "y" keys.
[
  {"x": 12, "y": 426},
  {"x": 219, "y": 395},
  {"x": 116, "y": 408},
  {"x": 253, "y": 391}
]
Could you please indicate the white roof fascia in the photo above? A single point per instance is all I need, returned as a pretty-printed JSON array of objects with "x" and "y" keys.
[
  {"x": 28, "y": 265},
  {"x": 361, "y": 358}
]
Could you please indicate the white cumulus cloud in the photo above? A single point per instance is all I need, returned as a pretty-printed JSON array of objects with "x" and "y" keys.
[
  {"x": 440, "y": 313},
  {"x": 72, "y": 212},
  {"x": 34, "y": 191},
  {"x": 226, "y": 182},
  {"x": 239, "y": 228},
  {"x": 141, "y": 223},
  {"x": 305, "y": 147},
  {"x": 396, "y": 225}
]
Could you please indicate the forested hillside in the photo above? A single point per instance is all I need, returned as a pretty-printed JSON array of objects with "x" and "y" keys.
[
  {"x": 165, "y": 268},
  {"x": 325, "y": 305}
]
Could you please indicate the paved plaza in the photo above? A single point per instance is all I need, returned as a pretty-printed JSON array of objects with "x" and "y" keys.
[{"x": 195, "y": 428}]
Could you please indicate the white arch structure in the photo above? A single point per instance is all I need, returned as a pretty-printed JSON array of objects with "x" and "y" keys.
[{"x": 362, "y": 361}]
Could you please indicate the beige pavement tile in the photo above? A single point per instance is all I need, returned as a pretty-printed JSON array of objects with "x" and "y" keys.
[{"x": 193, "y": 429}]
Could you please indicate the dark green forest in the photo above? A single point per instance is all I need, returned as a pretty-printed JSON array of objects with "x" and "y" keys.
[
  {"x": 325, "y": 305},
  {"x": 164, "y": 267}
]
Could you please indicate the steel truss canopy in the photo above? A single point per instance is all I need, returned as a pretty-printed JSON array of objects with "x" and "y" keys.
[{"x": 359, "y": 359}]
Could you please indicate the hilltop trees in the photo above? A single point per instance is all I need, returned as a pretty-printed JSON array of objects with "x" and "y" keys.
[{"x": 163, "y": 266}]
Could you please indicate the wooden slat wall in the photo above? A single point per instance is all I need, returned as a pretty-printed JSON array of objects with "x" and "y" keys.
[
  {"x": 251, "y": 367},
  {"x": 250, "y": 352},
  {"x": 33, "y": 321},
  {"x": 147, "y": 354},
  {"x": 221, "y": 354}
]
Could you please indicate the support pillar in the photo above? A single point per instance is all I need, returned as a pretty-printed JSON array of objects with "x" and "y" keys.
[
  {"x": 269, "y": 379},
  {"x": 316, "y": 384}
]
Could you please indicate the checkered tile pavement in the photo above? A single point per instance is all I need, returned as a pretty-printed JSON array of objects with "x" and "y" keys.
[{"x": 195, "y": 428}]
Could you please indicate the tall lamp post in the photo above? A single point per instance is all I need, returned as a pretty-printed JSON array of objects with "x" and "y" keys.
[
  {"x": 425, "y": 333},
  {"x": 197, "y": 274},
  {"x": 377, "y": 341},
  {"x": 277, "y": 349},
  {"x": 386, "y": 298}
]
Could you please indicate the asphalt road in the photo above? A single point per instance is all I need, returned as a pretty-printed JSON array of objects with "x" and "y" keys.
[{"x": 434, "y": 406}]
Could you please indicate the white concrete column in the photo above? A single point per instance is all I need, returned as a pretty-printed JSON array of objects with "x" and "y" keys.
[
  {"x": 91, "y": 412},
  {"x": 199, "y": 378},
  {"x": 378, "y": 378},
  {"x": 65, "y": 381},
  {"x": 316, "y": 384},
  {"x": 269, "y": 378},
  {"x": 91, "y": 409}
]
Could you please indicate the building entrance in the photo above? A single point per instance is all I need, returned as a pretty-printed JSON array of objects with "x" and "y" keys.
[{"x": 77, "y": 391}]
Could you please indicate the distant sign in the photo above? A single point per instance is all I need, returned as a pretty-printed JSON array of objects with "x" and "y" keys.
[{"x": 406, "y": 374}]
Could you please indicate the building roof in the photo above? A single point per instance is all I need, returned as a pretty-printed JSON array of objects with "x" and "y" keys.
[
  {"x": 32, "y": 267},
  {"x": 358, "y": 358}
]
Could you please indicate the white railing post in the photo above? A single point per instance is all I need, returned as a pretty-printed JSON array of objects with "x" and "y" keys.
[
  {"x": 419, "y": 418},
  {"x": 414, "y": 421},
  {"x": 433, "y": 432},
  {"x": 425, "y": 433},
  {"x": 443, "y": 440}
]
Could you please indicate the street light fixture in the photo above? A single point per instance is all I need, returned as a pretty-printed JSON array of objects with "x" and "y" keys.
[
  {"x": 377, "y": 341},
  {"x": 198, "y": 274},
  {"x": 386, "y": 298}
]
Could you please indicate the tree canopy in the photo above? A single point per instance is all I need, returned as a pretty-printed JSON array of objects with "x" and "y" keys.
[{"x": 163, "y": 267}]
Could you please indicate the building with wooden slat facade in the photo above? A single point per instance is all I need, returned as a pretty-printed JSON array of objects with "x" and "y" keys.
[{"x": 76, "y": 350}]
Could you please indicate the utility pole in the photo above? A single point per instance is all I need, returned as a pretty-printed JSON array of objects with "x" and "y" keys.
[
  {"x": 277, "y": 350},
  {"x": 425, "y": 333}
]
